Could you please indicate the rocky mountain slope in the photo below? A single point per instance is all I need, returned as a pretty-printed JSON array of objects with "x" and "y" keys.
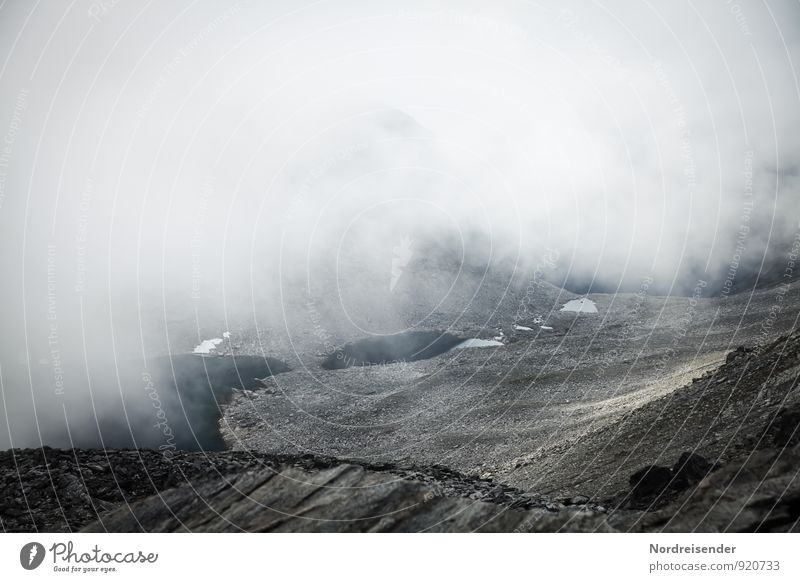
[
  {"x": 521, "y": 412},
  {"x": 637, "y": 413},
  {"x": 737, "y": 470}
]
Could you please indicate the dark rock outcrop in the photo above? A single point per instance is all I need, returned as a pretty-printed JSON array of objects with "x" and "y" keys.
[
  {"x": 690, "y": 469},
  {"x": 760, "y": 493},
  {"x": 785, "y": 431},
  {"x": 649, "y": 481},
  {"x": 654, "y": 486}
]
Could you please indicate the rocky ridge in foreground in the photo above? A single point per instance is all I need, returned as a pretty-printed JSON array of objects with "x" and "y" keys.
[
  {"x": 64, "y": 490},
  {"x": 134, "y": 491}
]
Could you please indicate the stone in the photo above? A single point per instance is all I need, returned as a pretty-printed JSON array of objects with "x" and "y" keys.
[
  {"x": 650, "y": 480},
  {"x": 690, "y": 469}
]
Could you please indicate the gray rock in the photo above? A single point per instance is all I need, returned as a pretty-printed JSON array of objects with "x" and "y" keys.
[
  {"x": 690, "y": 468},
  {"x": 649, "y": 481}
]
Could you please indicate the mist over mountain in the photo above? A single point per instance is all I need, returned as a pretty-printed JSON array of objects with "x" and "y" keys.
[{"x": 291, "y": 180}]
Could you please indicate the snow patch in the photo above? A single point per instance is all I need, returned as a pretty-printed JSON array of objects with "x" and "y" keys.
[
  {"x": 546, "y": 327},
  {"x": 522, "y": 328},
  {"x": 226, "y": 334},
  {"x": 582, "y": 305},
  {"x": 206, "y": 346},
  {"x": 478, "y": 343}
]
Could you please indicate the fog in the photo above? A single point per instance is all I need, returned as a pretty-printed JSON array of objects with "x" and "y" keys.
[{"x": 172, "y": 172}]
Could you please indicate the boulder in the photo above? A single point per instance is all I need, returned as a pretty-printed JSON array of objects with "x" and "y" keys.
[
  {"x": 690, "y": 469},
  {"x": 649, "y": 481}
]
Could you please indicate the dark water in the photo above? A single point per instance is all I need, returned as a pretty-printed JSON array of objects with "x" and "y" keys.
[
  {"x": 403, "y": 347},
  {"x": 173, "y": 403}
]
